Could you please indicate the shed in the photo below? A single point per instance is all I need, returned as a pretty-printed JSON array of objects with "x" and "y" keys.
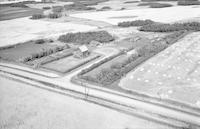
[{"x": 82, "y": 51}]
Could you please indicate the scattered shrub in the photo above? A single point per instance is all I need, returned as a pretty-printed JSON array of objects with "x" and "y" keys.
[
  {"x": 37, "y": 16},
  {"x": 46, "y": 8},
  {"x": 135, "y": 23},
  {"x": 160, "y": 5},
  {"x": 86, "y": 37}
]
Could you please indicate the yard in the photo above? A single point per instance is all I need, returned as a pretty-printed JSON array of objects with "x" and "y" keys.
[{"x": 70, "y": 63}]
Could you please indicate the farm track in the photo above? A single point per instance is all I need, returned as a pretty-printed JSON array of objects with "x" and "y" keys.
[{"x": 159, "y": 118}]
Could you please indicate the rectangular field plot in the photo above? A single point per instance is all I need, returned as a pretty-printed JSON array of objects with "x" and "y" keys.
[{"x": 67, "y": 64}]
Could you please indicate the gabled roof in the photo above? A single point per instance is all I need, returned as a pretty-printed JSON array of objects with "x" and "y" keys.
[{"x": 83, "y": 48}]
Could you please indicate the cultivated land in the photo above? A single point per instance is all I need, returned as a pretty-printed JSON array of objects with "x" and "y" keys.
[
  {"x": 172, "y": 74},
  {"x": 30, "y": 107},
  {"x": 151, "y": 75}
]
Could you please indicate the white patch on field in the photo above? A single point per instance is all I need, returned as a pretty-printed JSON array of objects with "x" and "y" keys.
[
  {"x": 165, "y": 15},
  {"x": 23, "y": 29}
]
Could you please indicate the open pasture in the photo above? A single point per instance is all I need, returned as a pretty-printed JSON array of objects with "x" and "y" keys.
[
  {"x": 172, "y": 74},
  {"x": 67, "y": 64}
]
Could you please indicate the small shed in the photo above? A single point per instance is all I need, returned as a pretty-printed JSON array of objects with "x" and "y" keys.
[{"x": 82, "y": 52}]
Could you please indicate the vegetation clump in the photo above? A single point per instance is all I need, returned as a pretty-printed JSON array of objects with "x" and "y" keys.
[
  {"x": 42, "y": 54},
  {"x": 21, "y": 5},
  {"x": 37, "y": 16},
  {"x": 135, "y": 23},
  {"x": 46, "y": 8},
  {"x": 77, "y": 6},
  {"x": 160, "y": 27},
  {"x": 86, "y": 37},
  {"x": 106, "y": 8},
  {"x": 155, "y": 5},
  {"x": 188, "y": 2},
  {"x": 54, "y": 15},
  {"x": 160, "y": 5}
]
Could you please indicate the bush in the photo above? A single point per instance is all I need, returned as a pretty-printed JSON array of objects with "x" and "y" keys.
[
  {"x": 86, "y": 37},
  {"x": 37, "y": 16},
  {"x": 39, "y": 41},
  {"x": 159, "y": 27},
  {"x": 135, "y": 23},
  {"x": 105, "y": 8},
  {"x": 46, "y": 8},
  {"x": 54, "y": 15}
]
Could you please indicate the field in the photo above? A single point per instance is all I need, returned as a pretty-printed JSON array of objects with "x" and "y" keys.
[
  {"x": 7, "y": 13},
  {"x": 165, "y": 15},
  {"x": 69, "y": 63},
  {"x": 24, "y": 29},
  {"x": 28, "y": 107},
  {"x": 172, "y": 74}
]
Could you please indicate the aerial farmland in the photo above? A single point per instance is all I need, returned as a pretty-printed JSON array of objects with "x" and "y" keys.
[{"x": 111, "y": 64}]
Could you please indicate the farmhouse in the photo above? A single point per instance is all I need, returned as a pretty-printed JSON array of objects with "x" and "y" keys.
[{"x": 82, "y": 52}]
